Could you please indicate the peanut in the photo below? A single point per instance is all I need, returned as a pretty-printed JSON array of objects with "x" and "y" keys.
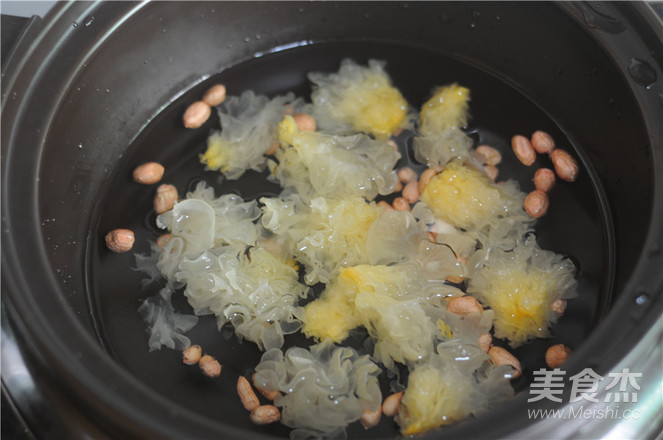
[
  {"x": 544, "y": 179},
  {"x": 558, "y": 306},
  {"x": 191, "y": 355},
  {"x": 491, "y": 171},
  {"x": 499, "y": 356},
  {"x": 556, "y": 355},
  {"x": 536, "y": 203},
  {"x": 272, "y": 149},
  {"x": 215, "y": 95},
  {"x": 304, "y": 122},
  {"x": 384, "y": 204},
  {"x": 265, "y": 414},
  {"x": 411, "y": 192},
  {"x": 407, "y": 175},
  {"x": 271, "y": 395},
  {"x": 542, "y": 142},
  {"x": 120, "y": 240},
  {"x": 464, "y": 305},
  {"x": 163, "y": 240},
  {"x": 425, "y": 178},
  {"x": 490, "y": 155},
  {"x": 390, "y": 404},
  {"x": 523, "y": 149},
  {"x": 246, "y": 394},
  {"x": 165, "y": 198},
  {"x": 210, "y": 366},
  {"x": 196, "y": 114},
  {"x": 398, "y": 187},
  {"x": 400, "y": 204},
  {"x": 485, "y": 341},
  {"x": 455, "y": 279},
  {"x": 370, "y": 418},
  {"x": 148, "y": 173},
  {"x": 565, "y": 166}
]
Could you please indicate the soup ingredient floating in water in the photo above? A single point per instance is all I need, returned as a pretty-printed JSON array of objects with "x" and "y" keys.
[{"x": 428, "y": 264}]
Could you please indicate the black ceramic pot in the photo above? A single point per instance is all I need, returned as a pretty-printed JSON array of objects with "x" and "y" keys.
[{"x": 96, "y": 88}]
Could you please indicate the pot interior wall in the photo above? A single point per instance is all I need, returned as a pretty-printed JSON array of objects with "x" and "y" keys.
[{"x": 121, "y": 105}]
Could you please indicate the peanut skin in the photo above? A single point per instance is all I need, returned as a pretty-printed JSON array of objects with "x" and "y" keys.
[
  {"x": 491, "y": 155},
  {"x": 491, "y": 171},
  {"x": 544, "y": 179},
  {"x": 163, "y": 240},
  {"x": 370, "y": 419},
  {"x": 272, "y": 149},
  {"x": 246, "y": 394},
  {"x": 542, "y": 142},
  {"x": 196, "y": 114},
  {"x": 304, "y": 122},
  {"x": 120, "y": 240},
  {"x": 425, "y": 179},
  {"x": 558, "y": 306},
  {"x": 390, "y": 404},
  {"x": 148, "y": 173},
  {"x": 523, "y": 150},
  {"x": 536, "y": 203},
  {"x": 407, "y": 175},
  {"x": 565, "y": 166},
  {"x": 270, "y": 395},
  {"x": 485, "y": 342},
  {"x": 384, "y": 204},
  {"x": 556, "y": 355},
  {"x": 464, "y": 305},
  {"x": 500, "y": 356},
  {"x": 209, "y": 366},
  {"x": 191, "y": 355},
  {"x": 215, "y": 95},
  {"x": 165, "y": 198},
  {"x": 411, "y": 192},
  {"x": 400, "y": 204},
  {"x": 265, "y": 414}
]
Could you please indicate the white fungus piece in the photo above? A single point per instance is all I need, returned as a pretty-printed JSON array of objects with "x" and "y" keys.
[
  {"x": 324, "y": 388},
  {"x": 203, "y": 221},
  {"x": 193, "y": 221},
  {"x": 248, "y": 129},
  {"x": 440, "y": 136},
  {"x": 147, "y": 265},
  {"x": 519, "y": 285},
  {"x": 457, "y": 382},
  {"x": 465, "y": 198},
  {"x": 212, "y": 254},
  {"x": 394, "y": 237},
  {"x": 358, "y": 99},
  {"x": 441, "y": 148},
  {"x": 256, "y": 292},
  {"x": 325, "y": 236},
  {"x": 320, "y": 164},
  {"x": 386, "y": 300},
  {"x": 166, "y": 327}
]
